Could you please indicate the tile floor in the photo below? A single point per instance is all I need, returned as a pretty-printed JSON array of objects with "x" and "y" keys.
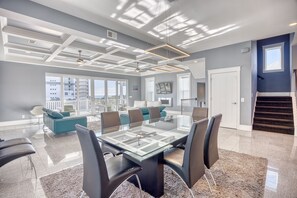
[{"x": 57, "y": 153}]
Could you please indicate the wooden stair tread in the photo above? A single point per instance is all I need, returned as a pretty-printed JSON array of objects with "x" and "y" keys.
[
  {"x": 273, "y": 119},
  {"x": 273, "y": 113},
  {"x": 273, "y": 107},
  {"x": 272, "y": 126},
  {"x": 272, "y": 101}
]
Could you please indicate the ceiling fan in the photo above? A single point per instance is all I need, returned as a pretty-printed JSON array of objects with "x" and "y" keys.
[{"x": 80, "y": 60}]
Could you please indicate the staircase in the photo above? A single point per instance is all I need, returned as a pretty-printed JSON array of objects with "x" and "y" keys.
[{"x": 274, "y": 114}]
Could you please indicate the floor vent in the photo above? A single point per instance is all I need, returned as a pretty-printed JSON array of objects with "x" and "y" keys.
[{"x": 274, "y": 114}]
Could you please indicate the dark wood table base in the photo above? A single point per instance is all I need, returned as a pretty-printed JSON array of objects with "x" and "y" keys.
[{"x": 151, "y": 176}]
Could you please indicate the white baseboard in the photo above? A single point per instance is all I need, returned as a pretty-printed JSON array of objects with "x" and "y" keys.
[
  {"x": 18, "y": 122},
  {"x": 245, "y": 127},
  {"x": 275, "y": 93}
]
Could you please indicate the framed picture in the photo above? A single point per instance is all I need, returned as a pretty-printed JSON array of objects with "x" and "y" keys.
[
  {"x": 168, "y": 87},
  {"x": 158, "y": 88},
  {"x": 164, "y": 88}
]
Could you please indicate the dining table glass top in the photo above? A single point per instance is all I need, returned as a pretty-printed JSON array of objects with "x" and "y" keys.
[{"x": 144, "y": 139}]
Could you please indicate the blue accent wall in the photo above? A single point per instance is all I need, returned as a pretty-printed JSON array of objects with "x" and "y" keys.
[{"x": 274, "y": 81}]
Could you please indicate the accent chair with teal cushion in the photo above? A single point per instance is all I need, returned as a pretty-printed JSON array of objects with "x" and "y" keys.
[
  {"x": 124, "y": 117},
  {"x": 61, "y": 122}
]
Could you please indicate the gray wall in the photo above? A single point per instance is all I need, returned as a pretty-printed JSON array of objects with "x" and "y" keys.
[
  {"x": 22, "y": 86},
  {"x": 170, "y": 77},
  {"x": 223, "y": 57}
]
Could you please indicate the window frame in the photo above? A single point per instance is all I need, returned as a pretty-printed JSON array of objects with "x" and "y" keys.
[
  {"x": 154, "y": 88},
  {"x": 266, "y": 47},
  {"x": 178, "y": 102}
]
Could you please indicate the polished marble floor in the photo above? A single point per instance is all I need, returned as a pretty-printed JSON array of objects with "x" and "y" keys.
[{"x": 55, "y": 153}]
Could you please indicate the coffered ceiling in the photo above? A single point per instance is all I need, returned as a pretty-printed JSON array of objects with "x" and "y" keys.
[
  {"x": 193, "y": 25},
  {"x": 31, "y": 31}
]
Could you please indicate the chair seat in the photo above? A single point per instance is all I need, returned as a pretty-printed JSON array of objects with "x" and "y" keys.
[
  {"x": 11, "y": 153},
  {"x": 120, "y": 167},
  {"x": 174, "y": 156},
  {"x": 13, "y": 142}
]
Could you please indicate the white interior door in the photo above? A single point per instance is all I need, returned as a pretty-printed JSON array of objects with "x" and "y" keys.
[{"x": 224, "y": 97}]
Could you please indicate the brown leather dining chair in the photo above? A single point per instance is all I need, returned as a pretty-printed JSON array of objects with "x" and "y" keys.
[
  {"x": 211, "y": 153},
  {"x": 101, "y": 178},
  {"x": 109, "y": 121},
  {"x": 135, "y": 115},
  {"x": 199, "y": 113},
  {"x": 188, "y": 164},
  {"x": 154, "y": 112}
]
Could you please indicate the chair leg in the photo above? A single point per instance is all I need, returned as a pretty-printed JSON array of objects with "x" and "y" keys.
[
  {"x": 173, "y": 171},
  {"x": 207, "y": 182},
  {"x": 139, "y": 185},
  {"x": 212, "y": 177},
  {"x": 138, "y": 181},
  {"x": 32, "y": 166},
  {"x": 82, "y": 194},
  {"x": 191, "y": 192}
]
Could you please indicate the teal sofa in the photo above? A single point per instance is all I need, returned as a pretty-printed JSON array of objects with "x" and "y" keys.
[
  {"x": 124, "y": 117},
  {"x": 61, "y": 122}
]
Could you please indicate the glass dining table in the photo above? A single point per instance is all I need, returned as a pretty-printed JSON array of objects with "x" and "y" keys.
[{"x": 145, "y": 142}]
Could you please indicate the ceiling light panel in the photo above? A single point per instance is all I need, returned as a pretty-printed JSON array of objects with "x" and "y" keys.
[{"x": 167, "y": 52}]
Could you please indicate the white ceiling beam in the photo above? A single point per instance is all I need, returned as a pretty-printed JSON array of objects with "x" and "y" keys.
[
  {"x": 26, "y": 48},
  {"x": 111, "y": 51},
  {"x": 29, "y": 34},
  {"x": 67, "y": 41},
  {"x": 14, "y": 58},
  {"x": 3, "y": 38}
]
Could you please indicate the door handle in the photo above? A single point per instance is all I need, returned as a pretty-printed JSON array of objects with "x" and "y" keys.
[{"x": 234, "y": 103}]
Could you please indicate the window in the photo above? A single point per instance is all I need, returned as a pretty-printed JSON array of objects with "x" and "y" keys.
[
  {"x": 150, "y": 89},
  {"x": 183, "y": 88},
  {"x": 273, "y": 58}
]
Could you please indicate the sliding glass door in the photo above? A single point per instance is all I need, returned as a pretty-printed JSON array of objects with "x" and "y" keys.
[
  {"x": 69, "y": 94},
  {"x": 99, "y": 96},
  {"x": 122, "y": 98},
  {"x": 85, "y": 95},
  {"x": 111, "y": 95}
]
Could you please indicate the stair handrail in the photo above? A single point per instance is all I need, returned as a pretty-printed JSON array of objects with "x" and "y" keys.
[{"x": 185, "y": 99}]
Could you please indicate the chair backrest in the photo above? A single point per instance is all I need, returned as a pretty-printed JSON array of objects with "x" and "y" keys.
[
  {"x": 193, "y": 164},
  {"x": 95, "y": 176},
  {"x": 211, "y": 153},
  {"x": 154, "y": 112},
  {"x": 200, "y": 113},
  {"x": 110, "y": 119},
  {"x": 135, "y": 115}
]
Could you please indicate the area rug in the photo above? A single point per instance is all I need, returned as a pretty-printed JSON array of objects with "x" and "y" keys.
[{"x": 236, "y": 174}]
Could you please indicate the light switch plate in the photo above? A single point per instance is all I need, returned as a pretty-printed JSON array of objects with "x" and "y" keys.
[{"x": 241, "y": 99}]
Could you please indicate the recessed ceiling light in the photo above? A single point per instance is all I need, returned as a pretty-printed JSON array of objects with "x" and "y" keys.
[
  {"x": 292, "y": 24},
  {"x": 195, "y": 61}
]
